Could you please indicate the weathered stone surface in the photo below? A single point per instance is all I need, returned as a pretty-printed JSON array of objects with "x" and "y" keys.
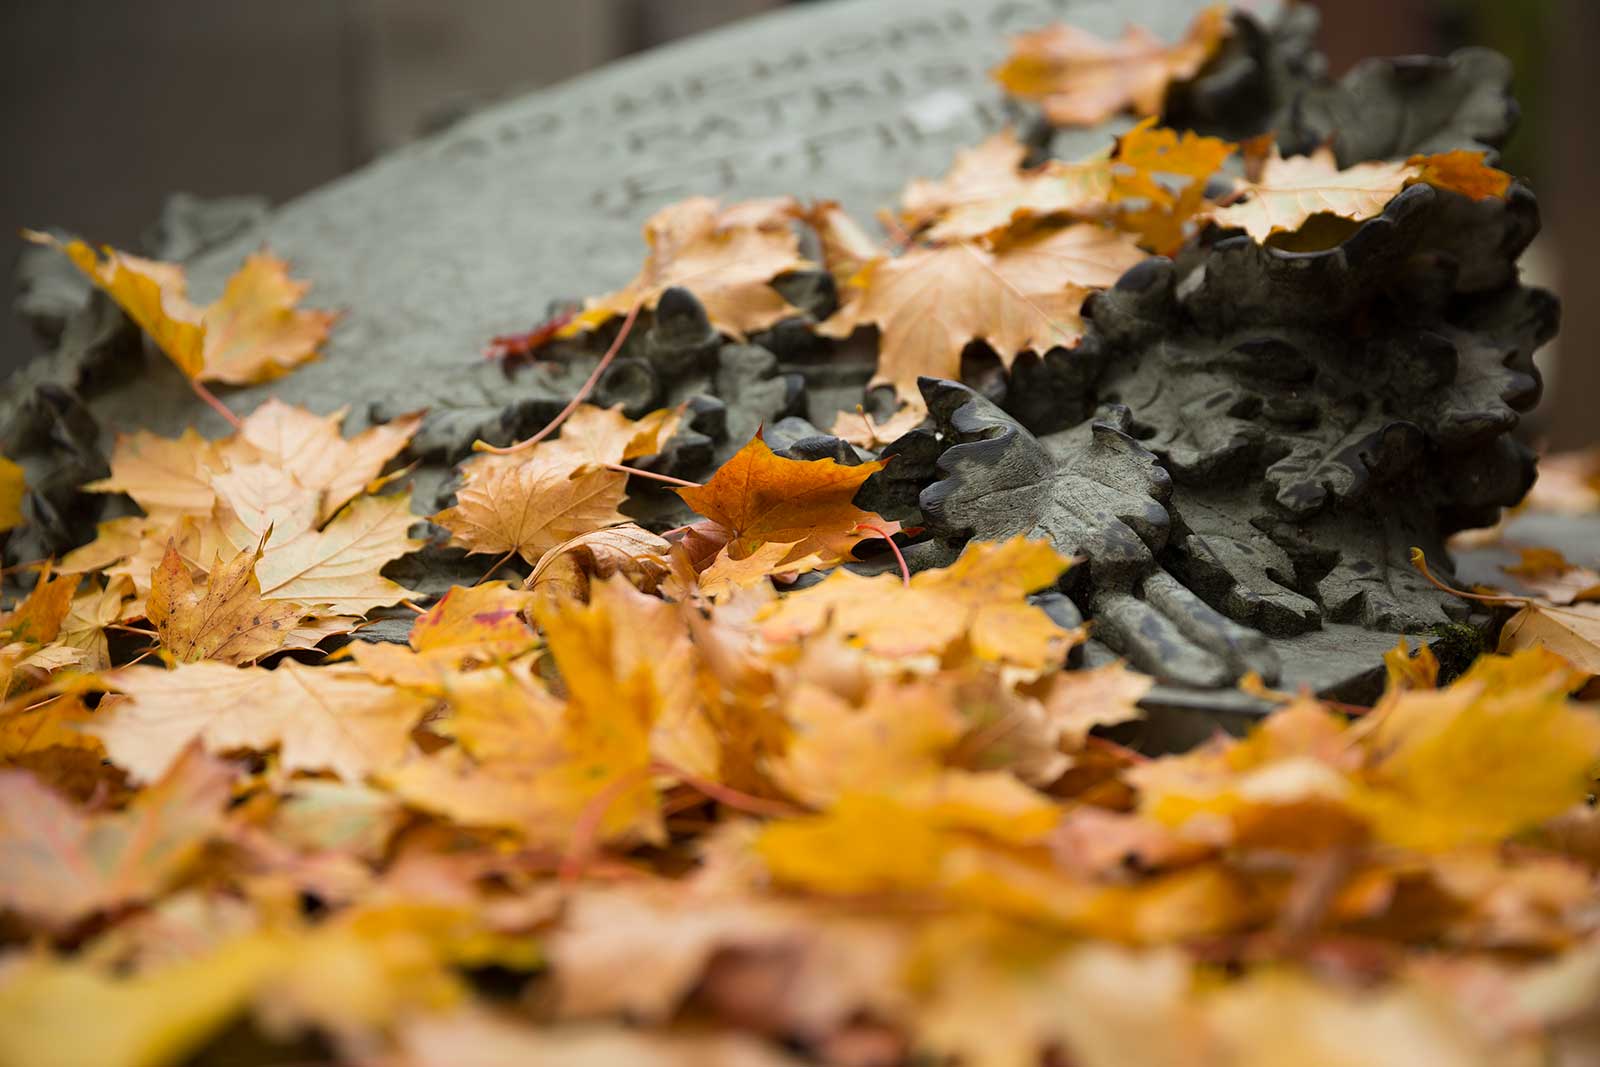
[{"x": 471, "y": 233}]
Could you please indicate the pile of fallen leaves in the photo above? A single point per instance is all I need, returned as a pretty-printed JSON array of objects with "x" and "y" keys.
[{"x": 671, "y": 799}]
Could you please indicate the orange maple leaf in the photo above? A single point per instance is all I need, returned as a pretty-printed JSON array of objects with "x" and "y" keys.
[
  {"x": 532, "y": 502},
  {"x": 758, "y": 497}
]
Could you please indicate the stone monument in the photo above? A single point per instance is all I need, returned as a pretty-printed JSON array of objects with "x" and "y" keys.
[{"x": 1241, "y": 451}]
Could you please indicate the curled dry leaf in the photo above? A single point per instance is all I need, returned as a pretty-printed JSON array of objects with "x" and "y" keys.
[
  {"x": 566, "y": 570},
  {"x": 253, "y": 333},
  {"x": 726, "y": 256},
  {"x": 1082, "y": 80}
]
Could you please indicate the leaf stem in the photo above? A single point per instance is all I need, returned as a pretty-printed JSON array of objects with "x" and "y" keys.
[
  {"x": 216, "y": 405},
  {"x": 577, "y": 398},
  {"x": 501, "y": 562},
  {"x": 586, "y": 830},
  {"x": 1420, "y": 561},
  {"x": 624, "y": 469},
  {"x": 729, "y": 796},
  {"x": 905, "y": 571}
]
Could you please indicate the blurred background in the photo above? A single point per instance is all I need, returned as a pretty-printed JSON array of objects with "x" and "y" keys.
[{"x": 107, "y": 107}]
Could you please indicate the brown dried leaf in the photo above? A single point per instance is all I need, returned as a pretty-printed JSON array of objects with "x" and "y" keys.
[
  {"x": 227, "y": 621},
  {"x": 318, "y": 718},
  {"x": 727, "y": 257}
]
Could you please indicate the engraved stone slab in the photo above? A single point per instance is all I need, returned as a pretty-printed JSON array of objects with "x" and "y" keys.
[{"x": 472, "y": 232}]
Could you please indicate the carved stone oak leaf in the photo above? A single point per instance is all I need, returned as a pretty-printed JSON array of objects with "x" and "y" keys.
[
  {"x": 1095, "y": 493},
  {"x": 1321, "y": 412}
]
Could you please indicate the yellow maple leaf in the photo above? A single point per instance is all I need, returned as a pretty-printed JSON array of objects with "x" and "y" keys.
[
  {"x": 1462, "y": 172},
  {"x": 987, "y": 191},
  {"x": 1082, "y": 80},
  {"x": 897, "y": 733},
  {"x": 1500, "y": 750},
  {"x": 470, "y": 626},
  {"x": 726, "y": 256},
  {"x": 1404, "y": 669},
  {"x": 979, "y": 598},
  {"x": 1148, "y": 162},
  {"x": 151, "y": 1019},
  {"x": 38, "y": 619},
  {"x": 518, "y": 503},
  {"x": 165, "y": 476},
  {"x": 339, "y": 565},
  {"x": 52, "y": 723},
  {"x": 536, "y": 501},
  {"x": 725, "y": 575},
  {"x": 846, "y": 247},
  {"x": 533, "y": 763},
  {"x": 253, "y": 333},
  {"x": 1571, "y": 631}
]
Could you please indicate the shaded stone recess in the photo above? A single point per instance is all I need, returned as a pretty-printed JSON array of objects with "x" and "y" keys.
[{"x": 1241, "y": 451}]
